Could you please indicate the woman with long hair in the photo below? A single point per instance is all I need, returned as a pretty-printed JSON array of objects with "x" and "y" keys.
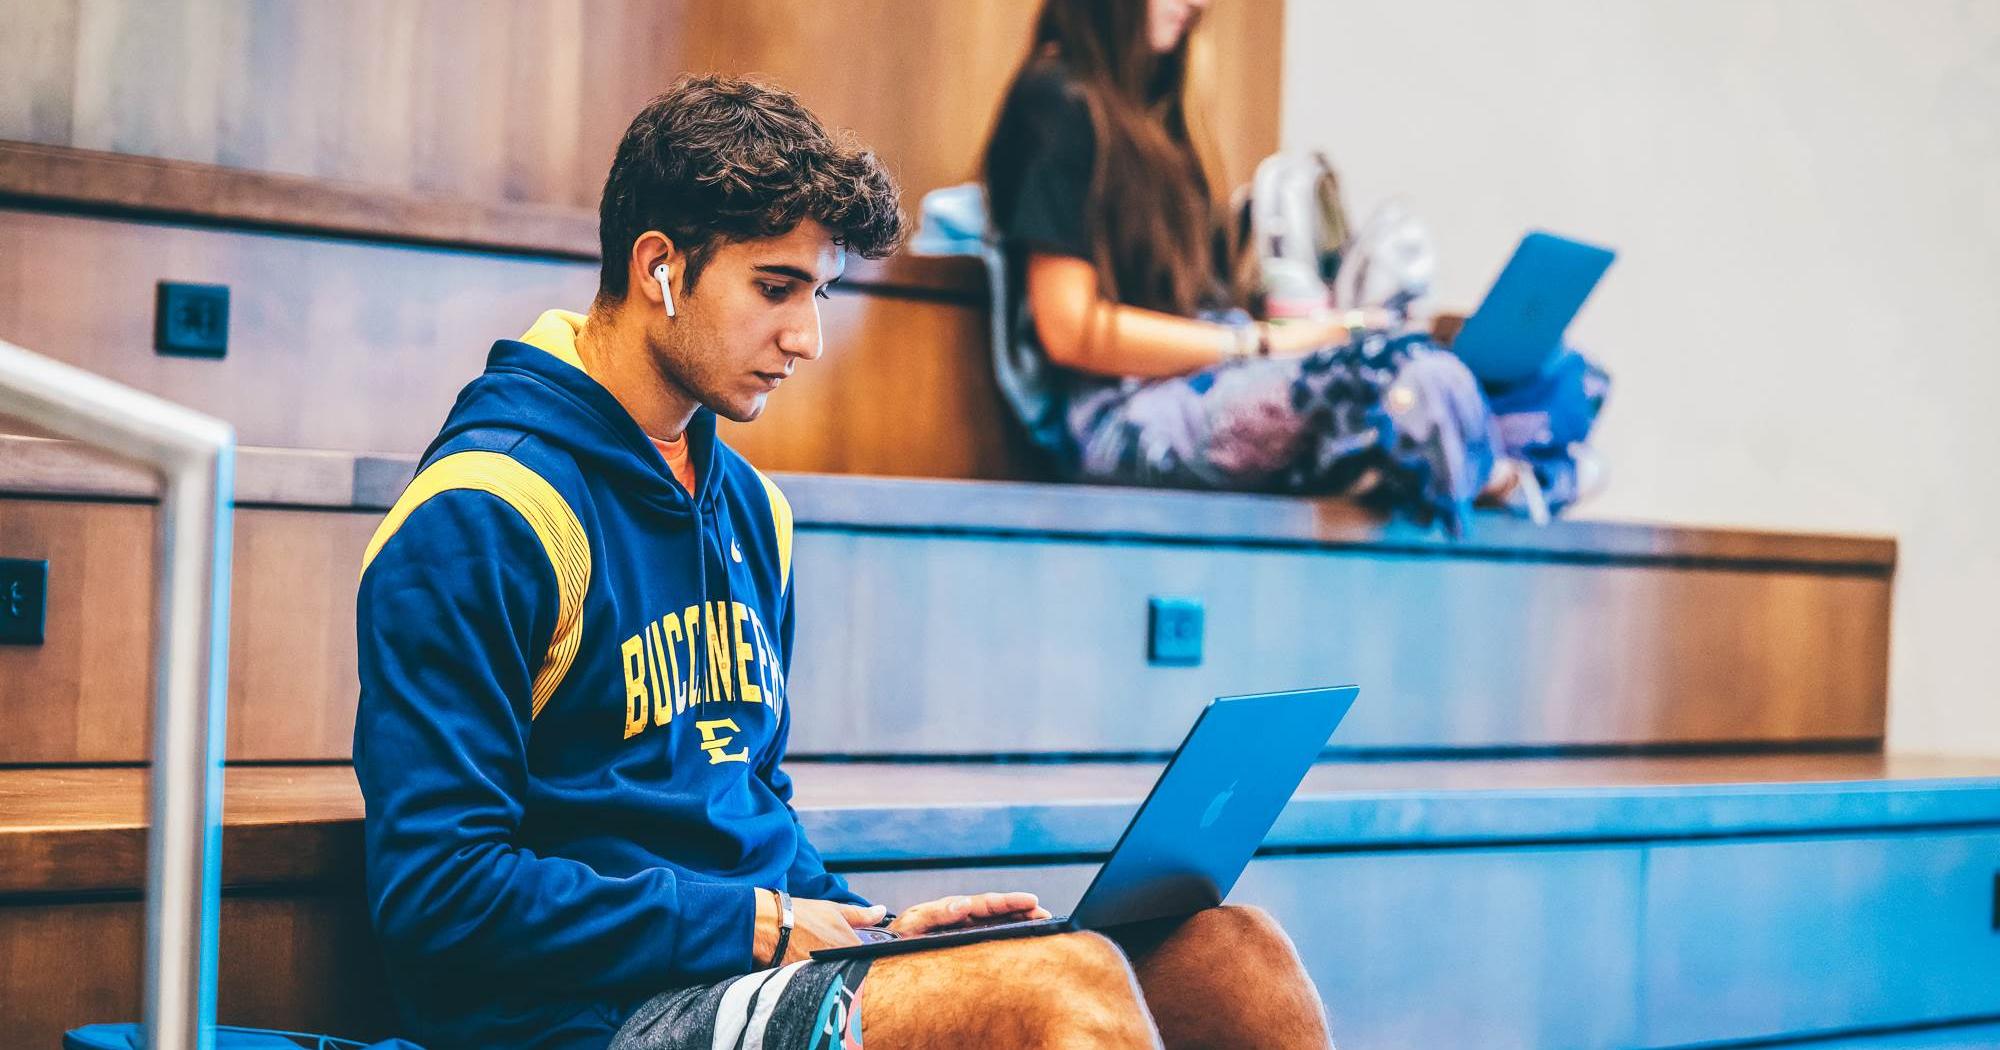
[{"x": 1144, "y": 368}]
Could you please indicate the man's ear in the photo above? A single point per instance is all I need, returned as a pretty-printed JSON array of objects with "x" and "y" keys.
[{"x": 650, "y": 251}]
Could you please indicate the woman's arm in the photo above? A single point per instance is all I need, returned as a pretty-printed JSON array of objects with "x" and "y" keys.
[{"x": 1081, "y": 329}]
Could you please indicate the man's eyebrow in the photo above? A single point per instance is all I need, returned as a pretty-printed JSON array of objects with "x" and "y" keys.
[{"x": 793, "y": 272}]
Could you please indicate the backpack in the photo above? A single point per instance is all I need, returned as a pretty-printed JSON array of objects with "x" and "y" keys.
[{"x": 1301, "y": 254}]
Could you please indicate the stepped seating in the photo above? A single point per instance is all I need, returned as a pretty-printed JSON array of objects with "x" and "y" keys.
[
  {"x": 1637, "y": 796},
  {"x": 1532, "y": 903}
]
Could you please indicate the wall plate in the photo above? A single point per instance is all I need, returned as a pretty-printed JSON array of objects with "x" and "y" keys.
[
  {"x": 1173, "y": 632},
  {"x": 24, "y": 600},
  {"x": 191, "y": 320}
]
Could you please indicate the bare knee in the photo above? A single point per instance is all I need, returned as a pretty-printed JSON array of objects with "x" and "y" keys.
[
  {"x": 1245, "y": 929},
  {"x": 1230, "y": 976},
  {"x": 1228, "y": 946}
]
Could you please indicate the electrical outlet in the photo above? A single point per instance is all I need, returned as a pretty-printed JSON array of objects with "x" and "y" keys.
[
  {"x": 1173, "y": 632},
  {"x": 24, "y": 597},
  {"x": 191, "y": 320}
]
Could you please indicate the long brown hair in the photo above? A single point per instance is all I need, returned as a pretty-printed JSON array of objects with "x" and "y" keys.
[{"x": 1151, "y": 206}]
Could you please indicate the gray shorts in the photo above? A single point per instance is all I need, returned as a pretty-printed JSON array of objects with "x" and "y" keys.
[{"x": 804, "y": 1006}]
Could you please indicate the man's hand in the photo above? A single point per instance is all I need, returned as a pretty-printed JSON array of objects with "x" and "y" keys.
[
  {"x": 978, "y": 909},
  {"x": 816, "y": 924}
]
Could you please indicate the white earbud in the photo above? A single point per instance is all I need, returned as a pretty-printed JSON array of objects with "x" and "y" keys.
[{"x": 666, "y": 291}]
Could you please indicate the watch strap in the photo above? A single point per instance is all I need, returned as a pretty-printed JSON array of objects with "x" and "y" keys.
[{"x": 785, "y": 920}]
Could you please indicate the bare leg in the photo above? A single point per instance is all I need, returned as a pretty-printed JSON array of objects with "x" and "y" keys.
[
  {"x": 1227, "y": 977},
  {"x": 1072, "y": 990}
]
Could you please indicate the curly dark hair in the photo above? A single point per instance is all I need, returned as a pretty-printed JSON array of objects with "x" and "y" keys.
[{"x": 717, "y": 160}]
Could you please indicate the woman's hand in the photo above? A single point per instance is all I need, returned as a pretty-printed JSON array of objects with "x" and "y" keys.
[
  {"x": 978, "y": 909},
  {"x": 1445, "y": 326},
  {"x": 1296, "y": 338}
]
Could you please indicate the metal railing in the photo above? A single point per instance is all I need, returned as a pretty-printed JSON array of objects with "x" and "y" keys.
[{"x": 196, "y": 457}]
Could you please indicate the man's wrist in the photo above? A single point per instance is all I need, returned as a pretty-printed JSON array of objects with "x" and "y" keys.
[{"x": 764, "y": 940}]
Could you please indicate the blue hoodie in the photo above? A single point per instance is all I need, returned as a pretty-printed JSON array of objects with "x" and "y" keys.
[{"x": 573, "y": 708}]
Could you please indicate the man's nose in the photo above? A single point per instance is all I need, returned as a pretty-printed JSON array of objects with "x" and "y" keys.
[{"x": 802, "y": 339}]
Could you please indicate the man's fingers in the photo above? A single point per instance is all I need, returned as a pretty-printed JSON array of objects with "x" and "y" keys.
[
  {"x": 969, "y": 910},
  {"x": 982, "y": 907},
  {"x": 859, "y": 916},
  {"x": 988, "y": 905}
]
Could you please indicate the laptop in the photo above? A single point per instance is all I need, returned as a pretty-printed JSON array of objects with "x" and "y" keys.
[
  {"x": 1519, "y": 325},
  {"x": 1197, "y": 829}
]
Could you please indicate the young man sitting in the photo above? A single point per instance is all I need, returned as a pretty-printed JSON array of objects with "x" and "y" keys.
[{"x": 575, "y": 630}]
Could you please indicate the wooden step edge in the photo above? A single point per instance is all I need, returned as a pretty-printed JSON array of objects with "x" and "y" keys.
[
  {"x": 306, "y": 478},
  {"x": 40, "y": 466},
  {"x": 80, "y": 831},
  {"x": 52, "y": 178}
]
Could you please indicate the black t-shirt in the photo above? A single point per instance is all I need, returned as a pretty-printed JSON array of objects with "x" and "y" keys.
[
  {"x": 1038, "y": 179},
  {"x": 1039, "y": 172}
]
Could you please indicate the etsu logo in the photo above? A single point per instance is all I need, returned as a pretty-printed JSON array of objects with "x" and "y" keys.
[{"x": 713, "y": 743}]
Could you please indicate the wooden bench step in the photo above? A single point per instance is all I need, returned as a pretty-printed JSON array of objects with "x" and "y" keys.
[
  {"x": 1578, "y": 635},
  {"x": 83, "y": 829},
  {"x": 1431, "y": 900}
]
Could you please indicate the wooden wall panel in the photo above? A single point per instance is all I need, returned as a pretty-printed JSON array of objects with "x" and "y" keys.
[
  {"x": 901, "y": 636},
  {"x": 301, "y": 961},
  {"x": 1451, "y": 652},
  {"x": 1823, "y": 935},
  {"x": 362, "y": 347},
  {"x": 905, "y": 387},
  {"x": 333, "y": 344},
  {"x": 292, "y": 679},
  {"x": 525, "y": 100},
  {"x": 520, "y": 100},
  {"x": 1517, "y": 949},
  {"x": 85, "y": 695}
]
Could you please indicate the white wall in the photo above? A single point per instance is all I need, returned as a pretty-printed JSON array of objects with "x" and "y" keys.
[{"x": 1803, "y": 326}]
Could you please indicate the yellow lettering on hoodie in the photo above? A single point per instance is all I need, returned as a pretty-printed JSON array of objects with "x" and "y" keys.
[
  {"x": 670, "y": 629},
  {"x": 634, "y": 658},
  {"x": 774, "y": 673},
  {"x": 746, "y": 692},
  {"x": 715, "y": 630},
  {"x": 697, "y": 691},
  {"x": 663, "y": 697},
  {"x": 763, "y": 648}
]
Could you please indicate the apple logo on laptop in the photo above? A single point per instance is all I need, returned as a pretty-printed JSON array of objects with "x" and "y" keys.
[{"x": 1214, "y": 811}]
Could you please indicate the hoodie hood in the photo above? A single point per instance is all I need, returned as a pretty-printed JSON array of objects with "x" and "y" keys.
[{"x": 537, "y": 385}]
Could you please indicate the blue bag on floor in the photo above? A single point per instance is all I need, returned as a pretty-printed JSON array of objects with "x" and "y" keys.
[{"x": 227, "y": 1037}]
